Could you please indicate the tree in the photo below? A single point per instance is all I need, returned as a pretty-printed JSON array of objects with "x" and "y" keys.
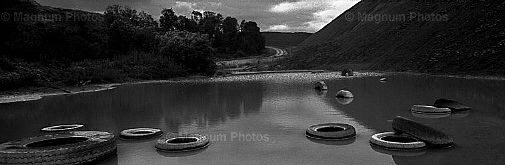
[
  {"x": 230, "y": 31},
  {"x": 196, "y": 16},
  {"x": 192, "y": 50},
  {"x": 128, "y": 30},
  {"x": 211, "y": 24},
  {"x": 185, "y": 24},
  {"x": 168, "y": 20},
  {"x": 146, "y": 21},
  {"x": 251, "y": 40}
]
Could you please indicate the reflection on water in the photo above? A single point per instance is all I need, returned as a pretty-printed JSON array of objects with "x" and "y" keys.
[
  {"x": 478, "y": 134},
  {"x": 151, "y": 105},
  {"x": 333, "y": 142},
  {"x": 278, "y": 108}
]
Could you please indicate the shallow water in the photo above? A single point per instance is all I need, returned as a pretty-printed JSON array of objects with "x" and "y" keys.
[{"x": 261, "y": 119}]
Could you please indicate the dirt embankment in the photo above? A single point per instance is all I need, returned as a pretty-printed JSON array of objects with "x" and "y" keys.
[{"x": 445, "y": 37}]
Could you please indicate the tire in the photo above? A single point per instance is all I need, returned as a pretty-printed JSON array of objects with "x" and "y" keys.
[
  {"x": 78, "y": 147},
  {"x": 403, "y": 153},
  {"x": 61, "y": 128},
  {"x": 321, "y": 85},
  {"x": 401, "y": 142},
  {"x": 344, "y": 101},
  {"x": 430, "y": 115},
  {"x": 451, "y": 104},
  {"x": 331, "y": 131},
  {"x": 140, "y": 133},
  {"x": 434, "y": 138},
  {"x": 182, "y": 143},
  {"x": 344, "y": 94},
  {"x": 429, "y": 109}
]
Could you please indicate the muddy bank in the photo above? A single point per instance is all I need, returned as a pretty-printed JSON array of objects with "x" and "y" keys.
[{"x": 36, "y": 93}]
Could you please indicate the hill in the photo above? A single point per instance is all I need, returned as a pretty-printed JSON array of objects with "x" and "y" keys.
[
  {"x": 284, "y": 40},
  {"x": 459, "y": 37}
]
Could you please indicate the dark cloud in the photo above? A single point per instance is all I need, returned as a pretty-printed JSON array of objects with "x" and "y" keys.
[{"x": 271, "y": 15}]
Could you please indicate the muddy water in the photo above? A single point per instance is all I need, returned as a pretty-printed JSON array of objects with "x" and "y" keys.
[{"x": 261, "y": 119}]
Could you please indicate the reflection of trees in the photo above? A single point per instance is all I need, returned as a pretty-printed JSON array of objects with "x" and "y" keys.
[
  {"x": 213, "y": 103},
  {"x": 145, "y": 105}
]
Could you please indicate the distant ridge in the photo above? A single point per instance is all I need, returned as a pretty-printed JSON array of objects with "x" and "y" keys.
[
  {"x": 463, "y": 36},
  {"x": 18, "y": 4},
  {"x": 24, "y": 9},
  {"x": 284, "y": 39}
]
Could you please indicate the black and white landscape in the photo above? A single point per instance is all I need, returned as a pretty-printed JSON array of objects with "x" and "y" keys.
[{"x": 252, "y": 82}]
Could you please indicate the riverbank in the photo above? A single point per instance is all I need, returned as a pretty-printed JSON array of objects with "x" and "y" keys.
[{"x": 36, "y": 93}]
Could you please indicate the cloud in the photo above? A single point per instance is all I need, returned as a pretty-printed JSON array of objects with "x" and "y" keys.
[
  {"x": 185, "y": 8},
  {"x": 322, "y": 11},
  {"x": 294, "y": 6},
  {"x": 297, "y": 15},
  {"x": 278, "y": 28},
  {"x": 180, "y": 4}
]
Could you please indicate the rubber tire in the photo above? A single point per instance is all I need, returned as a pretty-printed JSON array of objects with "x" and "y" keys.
[
  {"x": 347, "y": 132},
  {"x": 377, "y": 140},
  {"x": 321, "y": 85},
  {"x": 163, "y": 145},
  {"x": 430, "y": 115},
  {"x": 98, "y": 146},
  {"x": 130, "y": 133},
  {"x": 429, "y": 109},
  {"x": 434, "y": 138},
  {"x": 54, "y": 128},
  {"x": 451, "y": 104},
  {"x": 344, "y": 94}
]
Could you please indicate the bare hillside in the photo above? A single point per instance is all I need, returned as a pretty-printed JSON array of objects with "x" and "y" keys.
[{"x": 464, "y": 36}]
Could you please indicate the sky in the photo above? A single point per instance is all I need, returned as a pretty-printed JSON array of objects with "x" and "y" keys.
[{"x": 271, "y": 15}]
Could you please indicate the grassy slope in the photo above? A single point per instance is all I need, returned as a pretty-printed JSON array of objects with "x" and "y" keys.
[
  {"x": 284, "y": 40},
  {"x": 472, "y": 41}
]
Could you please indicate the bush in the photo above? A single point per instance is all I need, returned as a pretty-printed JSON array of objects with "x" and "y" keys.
[{"x": 191, "y": 50}]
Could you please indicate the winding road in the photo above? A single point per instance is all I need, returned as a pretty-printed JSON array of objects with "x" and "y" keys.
[
  {"x": 278, "y": 52},
  {"x": 253, "y": 60}
]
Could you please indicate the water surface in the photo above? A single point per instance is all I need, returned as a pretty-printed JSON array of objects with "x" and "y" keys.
[{"x": 261, "y": 119}]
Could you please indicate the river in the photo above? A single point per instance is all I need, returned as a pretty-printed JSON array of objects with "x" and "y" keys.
[{"x": 261, "y": 119}]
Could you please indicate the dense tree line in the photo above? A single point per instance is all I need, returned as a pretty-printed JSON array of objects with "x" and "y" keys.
[
  {"x": 178, "y": 43},
  {"x": 119, "y": 45},
  {"x": 121, "y": 31},
  {"x": 225, "y": 34}
]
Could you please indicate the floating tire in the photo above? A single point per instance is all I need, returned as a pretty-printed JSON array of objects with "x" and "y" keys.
[
  {"x": 430, "y": 115},
  {"x": 331, "y": 131},
  {"x": 392, "y": 141},
  {"x": 429, "y": 109},
  {"x": 429, "y": 135},
  {"x": 61, "y": 128},
  {"x": 344, "y": 101},
  {"x": 78, "y": 147},
  {"x": 321, "y": 85},
  {"x": 402, "y": 153},
  {"x": 451, "y": 104},
  {"x": 140, "y": 133},
  {"x": 344, "y": 94},
  {"x": 182, "y": 143}
]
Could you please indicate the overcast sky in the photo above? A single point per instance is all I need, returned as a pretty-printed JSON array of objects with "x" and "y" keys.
[{"x": 271, "y": 15}]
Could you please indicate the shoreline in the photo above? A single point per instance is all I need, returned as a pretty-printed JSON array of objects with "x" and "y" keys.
[{"x": 37, "y": 93}]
